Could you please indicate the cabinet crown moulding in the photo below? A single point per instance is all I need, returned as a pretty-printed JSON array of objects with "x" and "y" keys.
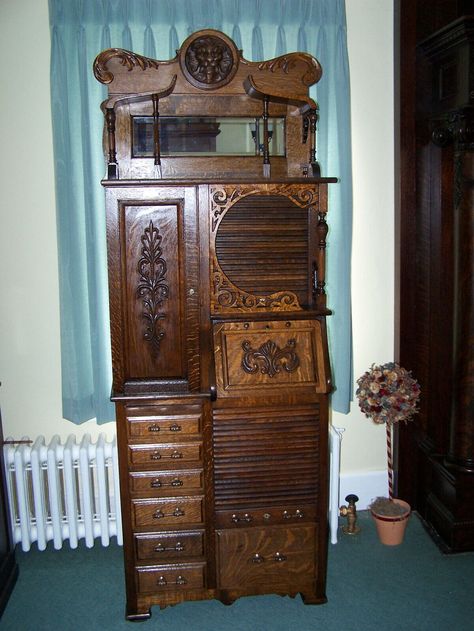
[{"x": 209, "y": 60}]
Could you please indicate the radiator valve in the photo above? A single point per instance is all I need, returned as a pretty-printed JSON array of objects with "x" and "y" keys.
[{"x": 350, "y": 511}]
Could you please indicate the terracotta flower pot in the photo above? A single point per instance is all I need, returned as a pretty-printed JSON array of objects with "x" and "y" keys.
[{"x": 390, "y": 529}]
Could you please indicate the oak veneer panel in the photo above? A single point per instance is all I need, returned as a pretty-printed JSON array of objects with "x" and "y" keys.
[
  {"x": 153, "y": 301},
  {"x": 254, "y": 357},
  {"x": 167, "y": 512},
  {"x": 153, "y": 426},
  {"x": 170, "y": 577},
  {"x": 169, "y": 546},
  {"x": 169, "y": 455},
  {"x": 282, "y": 558},
  {"x": 166, "y": 482},
  {"x": 244, "y": 514}
]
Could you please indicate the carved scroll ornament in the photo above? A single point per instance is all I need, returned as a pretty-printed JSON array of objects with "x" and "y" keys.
[
  {"x": 230, "y": 296},
  {"x": 269, "y": 358},
  {"x": 287, "y": 62},
  {"x": 223, "y": 197}
]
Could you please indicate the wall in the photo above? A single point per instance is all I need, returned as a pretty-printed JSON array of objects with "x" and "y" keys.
[
  {"x": 29, "y": 325},
  {"x": 370, "y": 43}
]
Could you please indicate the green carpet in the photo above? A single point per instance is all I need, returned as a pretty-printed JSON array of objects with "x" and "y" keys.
[{"x": 413, "y": 587}]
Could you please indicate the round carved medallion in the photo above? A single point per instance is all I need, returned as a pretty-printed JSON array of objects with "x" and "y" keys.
[{"x": 209, "y": 59}]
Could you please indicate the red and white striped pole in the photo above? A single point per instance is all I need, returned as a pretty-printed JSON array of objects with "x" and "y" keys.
[{"x": 388, "y": 427}]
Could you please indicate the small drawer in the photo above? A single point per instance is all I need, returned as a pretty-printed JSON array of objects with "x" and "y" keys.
[
  {"x": 182, "y": 576},
  {"x": 167, "y": 512},
  {"x": 170, "y": 545},
  {"x": 284, "y": 515},
  {"x": 153, "y": 427},
  {"x": 165, "y": 455},
  {"x": 161, "y": 483},
  {"x": 280, "y": 558}
]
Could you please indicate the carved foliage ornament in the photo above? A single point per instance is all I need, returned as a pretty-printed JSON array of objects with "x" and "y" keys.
[
  {"x": 269, "y": 358},
  {"x": 209, "y": 60},
  {"x": 152, "y": 289},
  {"x": 126, "y": 58}
]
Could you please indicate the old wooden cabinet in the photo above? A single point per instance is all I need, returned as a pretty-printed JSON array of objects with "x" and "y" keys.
[{"x": 216, "y": 247}]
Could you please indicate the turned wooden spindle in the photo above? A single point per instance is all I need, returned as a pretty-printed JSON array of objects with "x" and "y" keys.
[
  {"x": 112, "y": 167},
  {"x": 266, "y": 139},
  {"x": 320, "y": 284},
  {"x": 313, "y": 118},
  {"x": 156, "y": 132}
]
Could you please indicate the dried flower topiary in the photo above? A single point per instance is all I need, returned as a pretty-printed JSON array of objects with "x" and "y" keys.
[{"x": 388, "y": 393}]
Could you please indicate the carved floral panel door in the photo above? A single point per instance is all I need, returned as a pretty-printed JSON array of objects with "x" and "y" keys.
[{"x": 156, "y": 259}]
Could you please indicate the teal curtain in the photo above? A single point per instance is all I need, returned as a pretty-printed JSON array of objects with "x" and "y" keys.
[{"x": 80, "y": 29}]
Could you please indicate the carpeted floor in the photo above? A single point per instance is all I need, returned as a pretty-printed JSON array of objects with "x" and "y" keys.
[{"x": 413, "y": 587}]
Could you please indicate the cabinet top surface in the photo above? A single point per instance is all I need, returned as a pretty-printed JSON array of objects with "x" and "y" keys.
[{"x": 229, "y": 180}]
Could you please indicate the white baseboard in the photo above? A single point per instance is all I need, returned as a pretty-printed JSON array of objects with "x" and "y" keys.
[{"x": 365, "y": 485}]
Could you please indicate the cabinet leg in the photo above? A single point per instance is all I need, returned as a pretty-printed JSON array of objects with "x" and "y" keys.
[
  {"x": 137, "y": 616},
  {"x": 226, "y": 598},
  {"x": 311, "y": 598}
]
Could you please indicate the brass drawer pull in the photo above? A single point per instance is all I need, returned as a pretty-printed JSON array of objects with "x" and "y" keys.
[
  {"x": 257, "y": 558},
  {"x": 247, "y": 518},
  {"x": 176, "y": 455},
  {"x": 156, "y": 428},
  {"x": 279, "y": 557},
  {"x": 159, "y": 514},
  {"x": 179, "y": 547},
  {"x": 180, "y": 580},
  {"x": 298, "y": 514},
  {"x": 157, "y": 483}
]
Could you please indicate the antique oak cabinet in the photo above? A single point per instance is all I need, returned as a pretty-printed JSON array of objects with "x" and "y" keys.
[{"x": 216, "y": 229}]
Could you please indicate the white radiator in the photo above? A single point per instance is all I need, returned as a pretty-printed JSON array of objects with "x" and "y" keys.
[{"x": 62, "y": 492}]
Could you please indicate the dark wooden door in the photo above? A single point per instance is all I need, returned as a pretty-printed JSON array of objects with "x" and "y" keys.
[
  {"x": 435, "y": 232},
  {"x": 154, "y": 276}
]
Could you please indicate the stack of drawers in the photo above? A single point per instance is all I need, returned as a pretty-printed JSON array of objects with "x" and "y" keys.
[{"x": 165, "y": 483}]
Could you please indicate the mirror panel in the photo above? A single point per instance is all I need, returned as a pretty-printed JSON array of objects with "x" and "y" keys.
[{"x": 207, "y": 136}]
